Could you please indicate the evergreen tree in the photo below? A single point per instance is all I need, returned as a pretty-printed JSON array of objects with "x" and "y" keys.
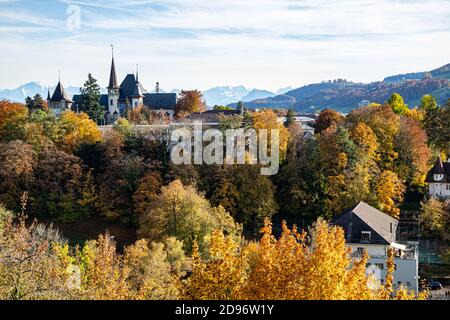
[
  {"x": 35, "y": 103},
  {"x": 90, "y": 99},
  {"x": 290, "y": 118}
]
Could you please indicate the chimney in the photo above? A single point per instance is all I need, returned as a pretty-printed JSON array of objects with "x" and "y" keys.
[{"x": 157, "y": 87}]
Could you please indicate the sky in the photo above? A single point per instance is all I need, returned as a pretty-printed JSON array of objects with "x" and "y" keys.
[{"x": 198, "y": 44}]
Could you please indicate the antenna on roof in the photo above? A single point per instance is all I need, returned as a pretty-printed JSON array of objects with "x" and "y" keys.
[{"x": 137, "y": 73}]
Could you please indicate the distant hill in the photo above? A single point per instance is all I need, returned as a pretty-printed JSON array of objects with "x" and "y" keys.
[{"x": 344, "y": 96}]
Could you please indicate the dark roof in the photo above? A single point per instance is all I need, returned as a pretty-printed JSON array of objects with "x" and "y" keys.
[
  {"x": 112, "y": 76},
  {"x": 48, "y": 95},
  {"x": 364, "y": 217},
  {"x": 127, "y": 86},
  {"x": 160, "y": 100},
  {"x": 439, "y": 168},
  {"x": 60, "y": 94}
]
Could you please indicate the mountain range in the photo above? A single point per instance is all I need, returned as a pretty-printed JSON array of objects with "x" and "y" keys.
[
  {"x": 344, "y": 96},
  {"x": 339, "y": 94},
  {"x": 221, "y": 95}
]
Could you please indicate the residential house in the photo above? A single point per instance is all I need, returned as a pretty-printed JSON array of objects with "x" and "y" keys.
[{"x": 368, "y": 229}]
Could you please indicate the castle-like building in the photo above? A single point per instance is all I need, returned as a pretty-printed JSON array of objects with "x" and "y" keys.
[{"x": 128, "y": 95}]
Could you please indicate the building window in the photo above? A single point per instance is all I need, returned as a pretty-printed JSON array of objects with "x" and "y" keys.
[
  {"x": 408, "y": 283},
  {"x": 360, "y": 250},
  {"x": 112, "y": 102},
  {"x": 349, "y": 231},
  {"x": 365, "y": 236},
  {"x": 447, "y": 187},
  {"x": 380, "y": 265}
]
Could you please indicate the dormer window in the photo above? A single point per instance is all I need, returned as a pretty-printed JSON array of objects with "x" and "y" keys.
[
  {"x": 365, "y": 236},
  {"x": 438, "y": 177}
]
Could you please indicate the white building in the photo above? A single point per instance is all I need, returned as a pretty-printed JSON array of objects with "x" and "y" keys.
[
  {"x": 438, "y": 179},
  {"x": 368, "y": 229}
]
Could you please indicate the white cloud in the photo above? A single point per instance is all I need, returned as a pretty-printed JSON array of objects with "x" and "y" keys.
[{"x": 260, "y": 43}]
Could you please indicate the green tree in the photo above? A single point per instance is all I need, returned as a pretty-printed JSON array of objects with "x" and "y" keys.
[
  {"x": 90, "y": 99},
  {"x": 397, "y": 104},
  {"x": 36, "y": 103},
  {"x": 427, "y": 103}
]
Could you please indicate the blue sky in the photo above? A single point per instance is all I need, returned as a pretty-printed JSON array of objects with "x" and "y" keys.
[{"x": 188, "y": 44}]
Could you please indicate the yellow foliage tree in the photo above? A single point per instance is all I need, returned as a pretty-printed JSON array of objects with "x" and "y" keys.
[
  {"x": 79, "y": 129},
  {"x": 267, "y": 119},
  {"x": 389, "y": 191}
]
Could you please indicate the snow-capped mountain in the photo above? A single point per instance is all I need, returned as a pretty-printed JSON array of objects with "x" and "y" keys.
[
  {"x": 284, "y": 90},
  {"x": 257, "y": 94},
  {"x": 222, "y": 95},
  {"x": 29, "y": 90}
]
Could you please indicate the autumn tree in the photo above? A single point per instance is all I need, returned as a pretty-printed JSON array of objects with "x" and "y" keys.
[
  {"x": 411, "y": 144},
  {"x": 389, "y": 192},
  {"x": 18, "y": 161},
  {"x": 190, "y": 101},
  {"x": 102, "y": 275},
  {"x": 147, "y": 192},
  {"x": 182, "y": 212},
  {"x": 116, "y": 188},
  {"x": 267, "y": 120},
  {"x": 326, "y": 119},
  {"x": 12, "y": 118},
  {"x": 31, "y": 267},
  {"x": 149, "y": 272},
  {"x": 78, "y": 129},
  {"x": 223, "y": 276},
  {"x": 61, "y": 187},
  {"x": 434, "y": 216},
  {"x": 385, "y": 124}
]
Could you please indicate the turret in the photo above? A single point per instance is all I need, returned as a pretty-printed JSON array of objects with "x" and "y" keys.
[{"x": 113, "y": 89}]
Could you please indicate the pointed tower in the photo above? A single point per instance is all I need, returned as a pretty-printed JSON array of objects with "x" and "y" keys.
[
  {"x": 138, "y": 92},
  {"x": 113, "y": 89},
  {"x": 48, "y": 97},
  {"x": 60, "y": 100}
]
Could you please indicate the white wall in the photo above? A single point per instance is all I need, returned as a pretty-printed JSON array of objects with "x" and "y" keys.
[
  {"x": 406, "y": 272},
  {"x": 439, "y": 189}
]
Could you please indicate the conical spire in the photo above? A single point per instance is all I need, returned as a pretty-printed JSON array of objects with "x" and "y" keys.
[
  {"x": 438, "y": 166},
  {"x": 112, "y": 76},
  {"x": 60, "y": 94},
  {"x": 48, "y": 94}
]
